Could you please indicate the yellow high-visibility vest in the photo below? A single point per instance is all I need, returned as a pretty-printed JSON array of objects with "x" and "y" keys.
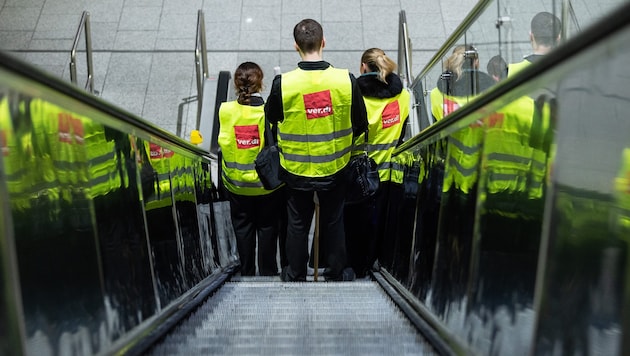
[
  {"x": 514, "y": 68},
  {"x": 386, "y": 117},
  {"x": 464, "y": 146},
  {"x": 510, "y": 163},
  {"x": 315, "y": 137},
  {"x": 241, "y": 138}
]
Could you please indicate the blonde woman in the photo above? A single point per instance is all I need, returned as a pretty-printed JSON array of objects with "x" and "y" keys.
[
  {"x": 460, "y": 82},
  {"x": 387, "y": 105}
]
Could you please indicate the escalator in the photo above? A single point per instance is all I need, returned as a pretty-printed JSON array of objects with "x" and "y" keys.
[
  {"x": 125, "y": 218},
  {"x": 257, "y": 315},
  {"x": 110, "y": 241}
]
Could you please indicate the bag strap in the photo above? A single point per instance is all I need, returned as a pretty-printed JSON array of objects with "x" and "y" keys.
[
  {"x": 365, "y": 141},
  {"x": 268, "y": 136},
  {"x": 360, "y": 147}
]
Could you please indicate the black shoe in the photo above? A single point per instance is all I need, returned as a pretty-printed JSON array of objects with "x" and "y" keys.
[
  {"x": 346, "y": 275},
  {"x": 287, "y": 276}
]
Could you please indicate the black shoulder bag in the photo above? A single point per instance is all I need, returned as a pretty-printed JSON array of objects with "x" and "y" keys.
[
  {"x": 267, "y": 162},
  {"x": 363, "y": 178}
]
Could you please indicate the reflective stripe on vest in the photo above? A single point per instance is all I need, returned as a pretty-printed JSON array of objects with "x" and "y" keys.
[
  {"x": 241, "y": 138},
  {"x": 61, "y": 133},
  {"x": 511, "y": 164},
  {"x": 386, "y": 119},
  {"x": 464, "y": 146},
  {"x": 315, "y": 137},
  {"x": 103, "y": 165},
  {"x": 399, "y": 165}
]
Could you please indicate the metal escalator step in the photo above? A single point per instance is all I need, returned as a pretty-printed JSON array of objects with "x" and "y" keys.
[{"x": 275, "y": 318}]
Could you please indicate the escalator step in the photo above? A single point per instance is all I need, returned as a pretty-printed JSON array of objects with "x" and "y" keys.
[{"x": 274, "y": 318}]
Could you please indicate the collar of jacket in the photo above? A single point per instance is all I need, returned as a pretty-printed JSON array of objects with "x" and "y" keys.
[{"x": 372, "y": 87}]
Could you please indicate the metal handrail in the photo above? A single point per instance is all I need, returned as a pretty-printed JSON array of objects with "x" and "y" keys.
[
  {"x": 201, "y": 62},
  {"x": 404, "y": 48},
  {"x": 84, "y": 25}
]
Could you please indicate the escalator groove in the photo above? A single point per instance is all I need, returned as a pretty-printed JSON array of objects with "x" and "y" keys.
[{"x": 263, "y": 317}]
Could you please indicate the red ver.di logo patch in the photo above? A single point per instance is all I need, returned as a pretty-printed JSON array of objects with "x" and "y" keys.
[
  {"x": 247, "y": 136},
  {"x": 318, "y": 104},
  {"x": 391, "y": 115},
  {"x": 449, "y": 106}
]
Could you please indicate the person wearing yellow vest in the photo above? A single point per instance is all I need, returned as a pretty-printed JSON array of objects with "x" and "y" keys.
[
  {"x": 319, "y": 111},
  {"x": 544, "y": 36},
  {"x": 515, "y": 159},
  {"x": 387, "y": 104},
  {"x": 460, "y": 83},
  {"x": 255, "y": 211}
]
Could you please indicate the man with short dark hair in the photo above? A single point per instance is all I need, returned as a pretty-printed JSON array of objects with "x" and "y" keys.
[
  {"x": 318, "y": 111},
  {"x": 544, "y": 36}
]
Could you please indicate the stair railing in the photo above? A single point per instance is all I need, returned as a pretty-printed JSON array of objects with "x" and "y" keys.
[
  {"x": 84, "y": 27},
  {"x": 404, "y": 49},
  {"x": 201, "y": 62}
]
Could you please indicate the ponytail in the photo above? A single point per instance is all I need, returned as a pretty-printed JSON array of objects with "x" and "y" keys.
[
  {"x": 455, "y": 62},
  {"x": 379, "y": 62}
]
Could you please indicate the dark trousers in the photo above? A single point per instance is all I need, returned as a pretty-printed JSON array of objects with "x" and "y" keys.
[
  {"x": 300, "y": 208},
  {"x": 254, "y": 216},
  {"x": 365, "y": 226}
]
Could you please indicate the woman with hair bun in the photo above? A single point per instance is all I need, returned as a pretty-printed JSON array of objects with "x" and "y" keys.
[
  {"x": 387, "y": 104},
  {"x": 255, "y": 211}
]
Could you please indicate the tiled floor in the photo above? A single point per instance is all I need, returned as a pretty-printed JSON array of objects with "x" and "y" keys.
[{"x": 144, "y": 49}]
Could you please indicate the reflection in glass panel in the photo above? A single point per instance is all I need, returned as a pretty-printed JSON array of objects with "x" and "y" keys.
[
  {"x": 203, "y": 188},
  {"x": 430, "y": 160},
  {"x": 46, "y": 162},
  {"x": 460, "y": 82},
  {"x": 561, "y": 144},
  {"x": 163, "y": 233},
  {"x": 11, "y": 327},
  {"x": 96, "y": 229},
  {"x": 114, "y": 187},
  {"x": 588, "y": 234},
  {"x": 188, "y": 223}
]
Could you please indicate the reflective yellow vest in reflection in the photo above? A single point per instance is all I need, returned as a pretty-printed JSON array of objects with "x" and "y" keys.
[
  {"x": 315, "y": 137},
  {"x": 622, "y": 191},
  {"x": 442, "y": 105},
  {"x": 514, "y": 68},
  {"x": 398, "y": 168},
  {"x": 511, "y": 165},
  {"x": 241, "y": 138},
  {"x": 160, "y": 160},
  {"x": 464, "y": 146},
  {"x": 186, "y": 178},
  {"x": 386, "y": 117},
  {"x": 61, "y": 150},
  {"x": 16, "y": 150},
  {"x": 103, "y": 165}
]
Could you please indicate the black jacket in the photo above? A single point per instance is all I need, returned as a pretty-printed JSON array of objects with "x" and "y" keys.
[{"x": 466, "y": 85}]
